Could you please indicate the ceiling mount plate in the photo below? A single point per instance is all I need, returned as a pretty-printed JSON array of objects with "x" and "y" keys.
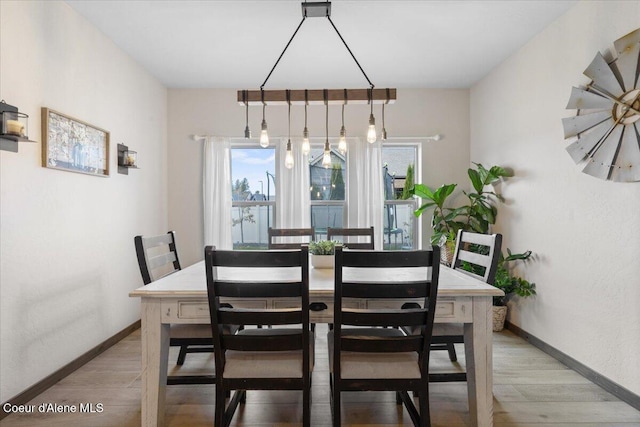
[{"x": 317, "y": 9}]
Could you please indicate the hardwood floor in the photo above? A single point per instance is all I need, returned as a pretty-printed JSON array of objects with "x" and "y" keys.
[{"x": 530, "y": 388}]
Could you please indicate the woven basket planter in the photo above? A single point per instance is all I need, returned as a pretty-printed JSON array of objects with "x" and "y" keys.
[
  {"x": 499, "y": 315},
  {"x": 446, "y": 252}
]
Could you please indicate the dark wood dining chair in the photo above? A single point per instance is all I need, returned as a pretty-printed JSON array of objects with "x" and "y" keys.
[
  {"x": 352, "y": 237},
  {"x": 476, "y": 255},
  {"x": 364, "y": 352},
  {"x": 276, "y": 235},
  {"x": 278, "y": 358},
  {"x": 158, "y": 257}
]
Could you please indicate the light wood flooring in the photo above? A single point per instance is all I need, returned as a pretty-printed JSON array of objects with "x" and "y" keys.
[{"x": 530, "y": 389}]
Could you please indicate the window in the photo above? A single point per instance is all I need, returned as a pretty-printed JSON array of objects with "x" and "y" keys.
[
  {"x": 399, "y": 168},
  {"x": 253, "y": 194},
  {"x": 327, "y": 191}
]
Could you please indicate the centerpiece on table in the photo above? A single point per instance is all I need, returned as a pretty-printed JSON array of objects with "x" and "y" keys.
[{"x": 322, "y": 253}]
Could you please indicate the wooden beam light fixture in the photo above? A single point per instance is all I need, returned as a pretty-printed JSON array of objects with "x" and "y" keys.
[{"x": 288, "y": 97}]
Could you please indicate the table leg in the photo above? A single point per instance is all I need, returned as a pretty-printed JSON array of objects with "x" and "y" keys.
[
  {"x": 478, "y": 338},
  {"x": 155, "y": 352}
]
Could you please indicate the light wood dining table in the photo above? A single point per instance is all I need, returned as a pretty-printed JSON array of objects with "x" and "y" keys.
[{"x": 182, "y": 298}]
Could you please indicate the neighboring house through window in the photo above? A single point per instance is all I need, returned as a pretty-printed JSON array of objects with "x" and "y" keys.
[{"x": 327, "y": 191}]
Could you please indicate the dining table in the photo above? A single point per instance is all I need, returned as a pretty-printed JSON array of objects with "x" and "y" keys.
[{"x": 181, "y": 297}]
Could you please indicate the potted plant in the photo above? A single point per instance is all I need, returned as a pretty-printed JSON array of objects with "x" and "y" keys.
[
  {"x": 477, "y": 215},
  {"x": 511, "y": 285},
  {"x": 322, "y": 253},
  {"x": 443, "y": 222}
]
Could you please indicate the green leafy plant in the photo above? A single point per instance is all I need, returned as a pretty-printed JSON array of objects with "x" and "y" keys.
[
  {"x": 322, "y": 247},
  {"x": 477, "y": 215},
  {"x": 509, "y": 283},
  {"x": 443, "y": 221},
  {"x": 408, "y": 183},
  {"x": 481, "y": 210}
]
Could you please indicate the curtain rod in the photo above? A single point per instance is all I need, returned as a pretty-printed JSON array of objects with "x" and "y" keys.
[{"x": 436, "y": 137}]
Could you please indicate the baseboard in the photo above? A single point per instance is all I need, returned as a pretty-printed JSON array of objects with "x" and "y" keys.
[
  {"x": 69, "y": 368},
  {"x": 593, "y": 376}
]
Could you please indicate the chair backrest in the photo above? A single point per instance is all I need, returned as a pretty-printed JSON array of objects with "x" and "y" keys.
[
  {"x": 256, "y": 275},
  {"x": 157, "y": 256},
  {"x": 387, "y": 275},
  {"x": 477, "y": 255},
  {"x": 277, "y": 234},
  {"x": 350, "y": 237}
]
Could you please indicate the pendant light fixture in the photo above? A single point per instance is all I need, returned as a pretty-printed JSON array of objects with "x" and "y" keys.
[
  {"x": 371, "y": 132},
  {"x": 288, "y": 160},
  {"x": 342, "y": 142},
  {"x": 247, "y": 131},
  {"x": 306, "y": 146},
  {"x": 384, "y": 130},
  {"x": 264, "y": 135},
  {"x": 317, "y": 9},
  {"x": 326, "y": 156}
]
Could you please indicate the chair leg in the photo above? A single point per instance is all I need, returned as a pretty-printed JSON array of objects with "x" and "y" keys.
[
  {"x": 334, "y": 401},
  {"x": 425, "y": 416},
  {"x": 452, "y": 352},
  {"x": 335, "y": 409},
  {"x": 182, "y": 355},
  {"x": 220, "y": 405},
  {"x": 306, "y": 407}
]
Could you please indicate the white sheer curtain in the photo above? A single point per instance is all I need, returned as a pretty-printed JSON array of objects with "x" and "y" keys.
[
  {"x": 217, "y": 192},
  {"x": 293, "y": 209},
  {"x": 365, "y": 193}
]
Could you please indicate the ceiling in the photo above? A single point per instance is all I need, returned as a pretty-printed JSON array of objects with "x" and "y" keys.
[{"x": 405, "y": 44}]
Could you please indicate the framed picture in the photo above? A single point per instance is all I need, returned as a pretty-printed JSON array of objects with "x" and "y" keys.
[{"x": 72, "y": 145}]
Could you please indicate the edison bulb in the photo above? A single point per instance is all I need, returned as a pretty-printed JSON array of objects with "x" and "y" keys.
[
  {"x": 342, "y": 142},
  {"x": 326, "y": 159},
  {"x": 288, "y": 160},
  {"x": 264, "y": 135},
  {"x": 371, "y": 133},
  {"x": 306, "y": 146}
]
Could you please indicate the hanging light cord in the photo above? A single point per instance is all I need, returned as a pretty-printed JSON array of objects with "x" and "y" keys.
[
  {"x": 246, "y": 104},
  {"x": 371, "y": 99},
  {"x": 294, "y": 35},
  {"x": 285, "y": 49},
  {"x": 326, "y": 102},
  {"x": 289, "y": 104},
  {"x": 351, "y": 53},
  {"x": 306, "y": 102}
]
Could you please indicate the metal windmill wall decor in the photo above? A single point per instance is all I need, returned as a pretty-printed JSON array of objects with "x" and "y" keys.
[{"x": 607, "y": 123}]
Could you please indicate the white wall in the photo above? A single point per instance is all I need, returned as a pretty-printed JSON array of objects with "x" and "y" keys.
[
  {"x": 420, "y": 112},
  {"x": 66, "y": 248},
  {"x": 583, "y": 230}
]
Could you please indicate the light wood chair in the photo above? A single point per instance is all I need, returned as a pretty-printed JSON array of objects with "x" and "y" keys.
[
  {"x": 158, "y": 257},
  {"x": 276, "y": 234},
  {"x": 364, "y": 353},
  {"x": 278, "y": 358},
  {"x": 349, "y": 237},
  {"x": 476, "y": 255}
]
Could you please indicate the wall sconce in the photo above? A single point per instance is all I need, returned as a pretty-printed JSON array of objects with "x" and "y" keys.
[
  {"x": 127, "y": 159},
  {"x": 14, "y": 127}
]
